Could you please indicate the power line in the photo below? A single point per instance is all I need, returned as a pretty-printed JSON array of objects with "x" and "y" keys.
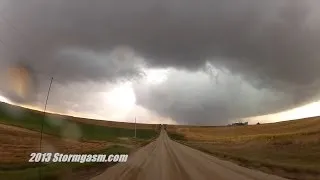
[
  {"x": 135, "y": 128},
  {"x": 44, "y": 114}
]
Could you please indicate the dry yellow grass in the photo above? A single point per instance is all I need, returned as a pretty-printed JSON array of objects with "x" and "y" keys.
[
  {"x": 16, "y": 144},
  {"x": 308, "y": 125},
  {"x": 290, "y": 149}
]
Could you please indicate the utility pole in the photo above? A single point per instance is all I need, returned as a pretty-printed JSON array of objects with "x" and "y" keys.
[
  {"x": 44, "y": 114},
  {"x": 135, "y": 127}
]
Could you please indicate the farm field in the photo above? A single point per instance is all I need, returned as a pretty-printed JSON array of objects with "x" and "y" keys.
[
  {"x": 20, "y": 136},
  {"x": 290, "y": 149},
  {"x": 71, "y": 127}
]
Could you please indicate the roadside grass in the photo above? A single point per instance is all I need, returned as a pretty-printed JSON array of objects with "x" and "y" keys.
[
  {"x": 292, "y": 153},
  {"x": 54, "y": 171},
  {"x": 291, "y": 161},
  {"x": 62, "y": 126},
  {"x": 176, "y": 136},
  {"x": 20, "y": 127}
]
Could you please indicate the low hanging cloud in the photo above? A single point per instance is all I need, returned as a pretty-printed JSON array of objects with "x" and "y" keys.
[
  {"x": 272, "y": 45},
  {"x": 196, "y": 98}
]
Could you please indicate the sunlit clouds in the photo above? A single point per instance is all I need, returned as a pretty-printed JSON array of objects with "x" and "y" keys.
[
  {"x": 4, "y": 99},
  {"x": 309, "y": 110},
  {"x": 156, "y": 76}
]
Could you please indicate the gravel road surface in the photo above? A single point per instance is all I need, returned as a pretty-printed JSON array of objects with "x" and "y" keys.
[{"x": 165, "y": 159}]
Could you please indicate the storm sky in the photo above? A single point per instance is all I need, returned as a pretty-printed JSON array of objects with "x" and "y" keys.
[{"x": 194, "y": 62}]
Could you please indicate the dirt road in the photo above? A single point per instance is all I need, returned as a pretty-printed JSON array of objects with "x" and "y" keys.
[{"x": 165, "y": 159}]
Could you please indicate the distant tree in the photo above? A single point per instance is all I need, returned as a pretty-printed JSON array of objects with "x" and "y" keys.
[{"x": 258, "y": 123}]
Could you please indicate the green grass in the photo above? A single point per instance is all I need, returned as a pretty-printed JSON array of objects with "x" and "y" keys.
[
  {"x": 53, "y": 171},
  {"x": 20, "y": 117}
]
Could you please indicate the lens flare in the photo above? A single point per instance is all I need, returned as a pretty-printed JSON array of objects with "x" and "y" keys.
[{"x": 20, "y": 83}]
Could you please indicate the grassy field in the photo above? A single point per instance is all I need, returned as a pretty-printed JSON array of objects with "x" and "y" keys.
[
  {"x": 70, "y": 127},
  {"x": 20, "y": 136},
  {"x": 290, "y": 149}
]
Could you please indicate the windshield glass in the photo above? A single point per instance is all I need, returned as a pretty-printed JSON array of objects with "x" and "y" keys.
[{"x": 236, "y": 79}]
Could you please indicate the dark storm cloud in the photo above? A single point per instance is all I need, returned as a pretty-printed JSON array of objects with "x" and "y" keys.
[
  {"x": 271, "y": 38},
  {"x": 272, "y": 44}
]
